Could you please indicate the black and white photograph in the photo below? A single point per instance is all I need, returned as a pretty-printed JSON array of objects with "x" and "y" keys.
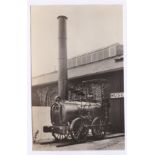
[
  {"x": 77, "y": 77},
  {"x": 77, "y": 65}
]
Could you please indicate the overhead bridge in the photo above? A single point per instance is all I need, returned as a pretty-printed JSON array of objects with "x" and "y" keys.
[{"x": 95, "y": 62}]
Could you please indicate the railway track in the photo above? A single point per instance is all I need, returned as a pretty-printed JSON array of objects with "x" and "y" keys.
[{"x": 69, "y": 142}]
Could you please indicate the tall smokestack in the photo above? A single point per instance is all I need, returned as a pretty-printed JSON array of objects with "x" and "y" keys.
[{"x": 62, "y": 72}]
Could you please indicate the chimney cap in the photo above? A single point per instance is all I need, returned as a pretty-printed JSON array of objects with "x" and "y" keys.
[{"x": 61, "y": 16}]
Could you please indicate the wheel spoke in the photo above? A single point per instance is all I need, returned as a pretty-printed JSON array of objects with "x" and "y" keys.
[
  {"x": 59, "y": 136},
  {"x": 77, "y": 134}
]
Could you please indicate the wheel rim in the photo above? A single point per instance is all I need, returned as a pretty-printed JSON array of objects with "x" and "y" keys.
[
  {"x": 78, "y": 130},
  {"x": 98, "y": 128}
]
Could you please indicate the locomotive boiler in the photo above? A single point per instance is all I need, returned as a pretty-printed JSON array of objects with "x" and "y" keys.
[{"x": 75, "y": 119}]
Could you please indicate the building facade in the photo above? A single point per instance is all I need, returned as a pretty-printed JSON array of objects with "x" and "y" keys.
[{"x": 105, "y": 63}]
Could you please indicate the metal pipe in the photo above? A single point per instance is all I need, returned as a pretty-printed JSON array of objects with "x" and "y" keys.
[{"x": 62, "y": 72}]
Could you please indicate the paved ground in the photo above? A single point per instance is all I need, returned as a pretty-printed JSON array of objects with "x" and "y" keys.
[{"x": 111, "y": 142}]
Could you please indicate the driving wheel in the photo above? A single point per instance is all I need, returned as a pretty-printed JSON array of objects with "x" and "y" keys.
[
  {"x": 98, "y": 128},
  {"x": 78, "y": 130}
]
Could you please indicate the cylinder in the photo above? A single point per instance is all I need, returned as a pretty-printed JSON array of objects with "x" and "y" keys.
[{"x": 62, "y": 58}]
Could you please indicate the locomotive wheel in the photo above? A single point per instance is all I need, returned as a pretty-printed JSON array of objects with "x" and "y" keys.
[
  {"x": 59, "y": 137},
  {"x": 78, "y": 130},
  {"x": 98, "y": 128}
]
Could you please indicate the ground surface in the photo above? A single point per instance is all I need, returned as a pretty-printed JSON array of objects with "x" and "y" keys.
[{"x": 111, "y": 142}]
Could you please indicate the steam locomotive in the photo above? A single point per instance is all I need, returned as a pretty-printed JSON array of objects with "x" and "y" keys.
[{"x": 77, "y": 119}]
